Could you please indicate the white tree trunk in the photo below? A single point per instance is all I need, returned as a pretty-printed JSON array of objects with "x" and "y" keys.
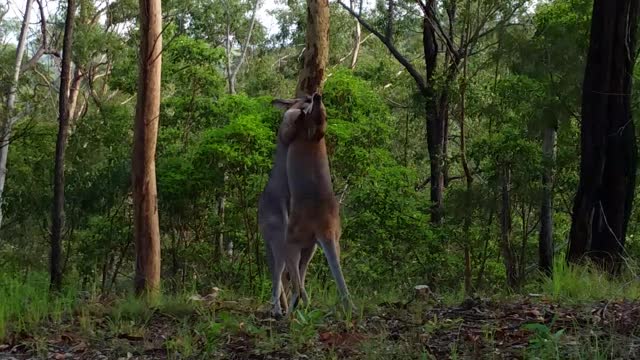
[
  {"x": 9, "y": 121},
  {"x": 356, "y": 46},
  {"x": 234, "y": 73}
]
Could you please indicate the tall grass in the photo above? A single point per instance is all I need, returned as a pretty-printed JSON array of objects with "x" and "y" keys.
[
  {"x": 586, "y": 283},
  {"x": 25, "y": 302}
]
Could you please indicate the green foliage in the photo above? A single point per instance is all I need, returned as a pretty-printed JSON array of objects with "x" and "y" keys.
[
  {"x": 544, "y": 343},
  {"x": 214, "y": 148},
  {"x": 26, "y": 303},
  {"x": 580, "y": 284}
]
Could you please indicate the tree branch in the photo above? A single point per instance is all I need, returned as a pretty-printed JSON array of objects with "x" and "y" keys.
[
  {"x": 420, "y": 82},
  {"x": 427, "y": 13},
  {"x": 246, "y": 42},
  {"x": 44, "y": 47}
]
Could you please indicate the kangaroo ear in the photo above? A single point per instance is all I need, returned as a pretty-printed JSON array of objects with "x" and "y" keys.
[{"x": 283, "y": 104}]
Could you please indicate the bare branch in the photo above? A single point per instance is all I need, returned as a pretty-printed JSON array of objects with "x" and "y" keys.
[
  {"x": 44, "y": 47},
  {"x": 246, "y": 43},
  {"x": 479, "y": 34},
  {"x": 351, "y": 51},
  {"x": 420, "y": 82}
]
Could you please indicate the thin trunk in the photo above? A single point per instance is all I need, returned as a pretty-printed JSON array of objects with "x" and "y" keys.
[
  {"x": 506, "y": 248},
  {"x": 221, "y": 207},
  {"x": 523, "y": 245},
  {"x": 485, "y": 252},
  {"x": 444, "y": 108},
  {"x": 245, "y": 47},
  {"x": 434, "y": 119},
  {"x": 603, "y": 203},
  {"x": 545, "y": 241},
  {"x": 231, "y": 88},
  {"x": 390, "y": 18},
  {"x": 57, "y": 212},
  {"x": 145, "y": 195},
  {"x": 357, "y": 35},
  {"x": 316, "y": 52},
  {"x": 469, "y": 182},
  {"x": 12, "y": 93},
  {"x": 116, "y": 269},
  {"x": 406, "y": 141},
  {"x": 74, "y": 91}
]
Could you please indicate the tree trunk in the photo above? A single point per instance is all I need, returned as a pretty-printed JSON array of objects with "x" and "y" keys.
[
  {"x": 74, "y": 91},
  {"x": 545, "y": 242},
  {"x": 222, "y": 200},
  {"x": 506, "y": 249},
  {"x": 316, "y": 52},
  {"x": 231, "y": 89},
  {"x": 357, "y": 35},
  {"x": 145, "y": 196},
  {"x": 12, "y": 93},
  {"x": 57, "y": 212},
  {"x": 245, "y": 47},
  {"x": 434, "y": 120},
  {"x": 468, "y": 206},
  {"x": 603, "y": 203}
]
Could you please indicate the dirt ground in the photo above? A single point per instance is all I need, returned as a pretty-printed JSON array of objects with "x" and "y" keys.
[{"x": 528, "y": 327}]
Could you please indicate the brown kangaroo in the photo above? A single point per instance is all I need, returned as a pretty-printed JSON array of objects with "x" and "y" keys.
[
  {"x": 273, "y": 208},
  {"x": 314, "y": 216}
]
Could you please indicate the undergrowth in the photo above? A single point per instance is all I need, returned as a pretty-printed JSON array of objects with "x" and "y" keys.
[
  {"x": 579, "y": 284},
  {"x": 184, "y": 326}
]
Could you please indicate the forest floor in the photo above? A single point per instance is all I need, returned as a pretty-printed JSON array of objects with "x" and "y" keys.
[{"x": 521, "y": 327}]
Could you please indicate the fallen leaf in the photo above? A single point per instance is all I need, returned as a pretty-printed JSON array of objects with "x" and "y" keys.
[{"x": 80, "y": 347}]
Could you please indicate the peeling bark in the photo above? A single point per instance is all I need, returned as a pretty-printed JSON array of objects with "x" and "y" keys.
[{"x": 316, "y": 53}]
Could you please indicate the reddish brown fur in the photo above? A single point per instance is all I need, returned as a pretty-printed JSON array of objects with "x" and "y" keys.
[{"x": 314, "y": 214}]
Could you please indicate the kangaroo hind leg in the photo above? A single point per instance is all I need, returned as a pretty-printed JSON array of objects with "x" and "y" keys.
[
  {"x": 293, "y": 263},
  {"x": 332, "y": 253},
  {"x": 276, "y": 263}
]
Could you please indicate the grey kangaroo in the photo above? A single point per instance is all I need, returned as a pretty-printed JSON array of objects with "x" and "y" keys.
[
  {"x": 313, "y": 212},
  {"x": 273, "y": 211}
]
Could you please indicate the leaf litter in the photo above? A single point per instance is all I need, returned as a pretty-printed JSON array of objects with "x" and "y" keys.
[{"x": 519, "y": 328}]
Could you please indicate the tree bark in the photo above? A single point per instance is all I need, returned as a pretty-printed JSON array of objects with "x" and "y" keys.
[
  {"x": 468, "y": 210},
  {"x": 506, "y": 248},
  {"x": 74, "y": 91},
  {"x": 434, "y": 119},
  {"x": 545, "y": 241},
  {"x": 357, "y": 35},
  {"x": 316, "y": 53},
  {"x": 57, "y": 212},
  {"x": 145, "y": 196},
  {"x": 604, "y": 199},
  {"x": 228, "y": 65},
  {"x": 12, "y": 93}
]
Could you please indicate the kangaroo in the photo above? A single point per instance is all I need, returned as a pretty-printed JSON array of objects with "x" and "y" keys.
[
  {"x": 314, "y": 216},
  {"x": 273, "y": 208}
]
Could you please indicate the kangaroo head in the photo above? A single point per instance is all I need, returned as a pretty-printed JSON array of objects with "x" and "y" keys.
[{"x": 305, "y": 117}]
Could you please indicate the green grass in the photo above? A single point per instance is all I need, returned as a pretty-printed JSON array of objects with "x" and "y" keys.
[
  {"x": 196, "y": 329},
  {"x": 26, "y": 302},
  {"x": 579, "y": 284}
]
